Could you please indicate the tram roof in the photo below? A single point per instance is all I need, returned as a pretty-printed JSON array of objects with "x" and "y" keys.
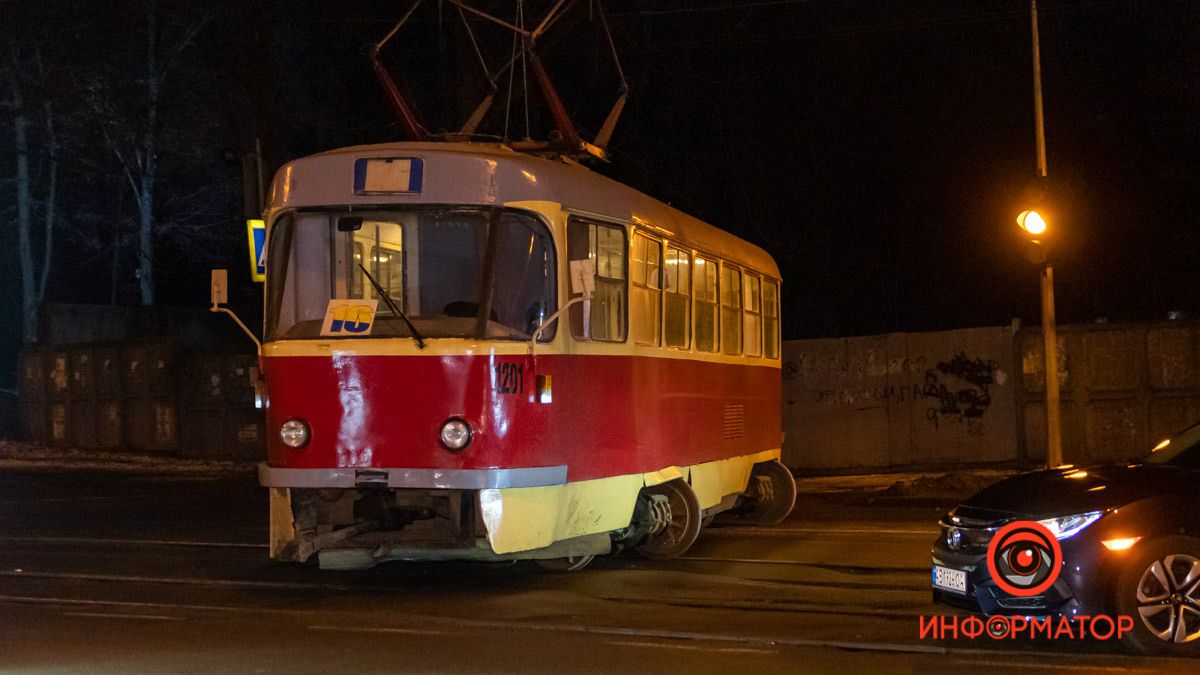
[{"x": 490, "y": 173}]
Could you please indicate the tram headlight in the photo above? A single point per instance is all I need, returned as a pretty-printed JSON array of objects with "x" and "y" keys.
[
  {"x": 294, "y": 433},
  {"x": 456, "y": 434}
]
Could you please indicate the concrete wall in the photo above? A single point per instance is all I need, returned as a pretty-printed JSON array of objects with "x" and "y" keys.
[
  {"x": 901, "y": 399},
  {"x": 1124, "y": 388},
  {"x": 977, "y": 395}
]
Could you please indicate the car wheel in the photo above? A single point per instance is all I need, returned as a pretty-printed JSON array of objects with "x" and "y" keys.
[{"x": 1160, "y": 588}]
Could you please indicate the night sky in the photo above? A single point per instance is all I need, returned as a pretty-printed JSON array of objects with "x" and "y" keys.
[{"x": 879, "y": 150}]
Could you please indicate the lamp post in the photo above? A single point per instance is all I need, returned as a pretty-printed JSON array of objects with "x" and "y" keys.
[{"x": 1034, "y": 225}]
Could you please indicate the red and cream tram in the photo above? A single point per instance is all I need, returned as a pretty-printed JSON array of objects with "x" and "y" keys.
[{"x": 473, "y": 353}]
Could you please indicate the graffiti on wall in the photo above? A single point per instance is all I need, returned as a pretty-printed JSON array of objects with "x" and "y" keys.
[{"x": 960, "y": 390}]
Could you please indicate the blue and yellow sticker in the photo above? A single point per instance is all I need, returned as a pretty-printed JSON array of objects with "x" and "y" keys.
[
  {"x": 256, "y": 231},
  {"x": 349, "y": 318}
]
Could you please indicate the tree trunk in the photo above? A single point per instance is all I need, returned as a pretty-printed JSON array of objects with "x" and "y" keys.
[
  {"x": 146, "y": 239},
  {"x": 146, "y": 193},
  {"x": 29, "y": 301},
  {"x": 51, "y": 205}
]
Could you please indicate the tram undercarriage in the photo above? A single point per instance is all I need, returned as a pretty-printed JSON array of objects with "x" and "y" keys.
[{"x": 360, "y": 527}]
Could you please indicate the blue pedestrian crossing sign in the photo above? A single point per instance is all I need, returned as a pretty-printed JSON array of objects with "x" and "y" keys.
[{"x": 256, "y": 230}]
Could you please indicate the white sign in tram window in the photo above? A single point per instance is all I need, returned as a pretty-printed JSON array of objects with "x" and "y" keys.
[{"x": 583, "y": 277}]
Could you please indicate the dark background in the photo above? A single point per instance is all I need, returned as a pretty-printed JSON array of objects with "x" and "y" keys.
[{"x": 879, "y": 150}]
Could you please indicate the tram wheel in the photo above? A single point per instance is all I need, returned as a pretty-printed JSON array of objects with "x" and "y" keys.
[
  {"x": 572, "y": 563},
  {"x": 770, "y": 496},
  {"x": 673, "y": 515}
]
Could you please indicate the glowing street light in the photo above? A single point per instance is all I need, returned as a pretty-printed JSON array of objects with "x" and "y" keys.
[{"x": 1032, "y": 222}]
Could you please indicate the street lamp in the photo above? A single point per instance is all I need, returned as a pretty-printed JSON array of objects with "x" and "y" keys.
[
  {"x": 1032, "y": 222},
  {"x": 1034, "y": 225}
]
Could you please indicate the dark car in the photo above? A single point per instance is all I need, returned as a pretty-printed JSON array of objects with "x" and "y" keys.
[{"x": 1129, "y": 536}]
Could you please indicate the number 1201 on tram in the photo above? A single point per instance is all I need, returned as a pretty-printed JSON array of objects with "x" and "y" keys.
[{"x": 472, "y": 353}]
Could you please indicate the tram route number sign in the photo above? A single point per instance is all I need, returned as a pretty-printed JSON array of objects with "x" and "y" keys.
[{"x": 349, "y": 318}]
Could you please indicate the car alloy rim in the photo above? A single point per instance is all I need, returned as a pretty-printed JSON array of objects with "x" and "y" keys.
[{"x": 1168, "y": 597}]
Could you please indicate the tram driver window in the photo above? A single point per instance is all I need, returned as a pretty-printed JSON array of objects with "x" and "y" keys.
[
  {"x": 731, "y": 310},
  {"x": 447, "y": 271},
  {"x": 603, "y": 316}
]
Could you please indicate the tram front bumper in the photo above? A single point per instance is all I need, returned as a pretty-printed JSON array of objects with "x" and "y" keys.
[
  {"x": 494, "y": 514},
  {"x": 433, "y": 479}
]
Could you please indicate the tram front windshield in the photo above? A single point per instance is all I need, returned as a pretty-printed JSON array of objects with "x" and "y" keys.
[{"x": 443, "y": 268}]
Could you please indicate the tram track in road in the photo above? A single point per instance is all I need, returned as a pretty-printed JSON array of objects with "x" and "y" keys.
[
  {"x": 129, "y": 542},
  {"x": 800, "y": 532},
  {"x": 612, "y": 562},
  {"x": 432, "y": 625},
  {"x": 858, "y": 570}
]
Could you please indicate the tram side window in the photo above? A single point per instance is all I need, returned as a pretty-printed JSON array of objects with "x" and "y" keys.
[
  {"x": 731, "y": 310},
  {"x": 678, "y": 303},
  {"x": 706, "y": 305},
  {"x": 646, "y": 272},
  {"x": 771, "y": 319},
  {"x": 753, "y": 315},
  {"x": 603, "y": 316}
]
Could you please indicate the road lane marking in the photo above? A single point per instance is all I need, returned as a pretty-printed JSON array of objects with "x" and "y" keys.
[
  {"x": 993, "y": 663},
  {"x": 114, "y": 615},
  {"x": 188, "y": 581},
  {"x": 370, "y": 629},
  {"x": 694, "y": 648},
  {"x": 133, "y": 542},
  {"x": 73, "y": 500}
]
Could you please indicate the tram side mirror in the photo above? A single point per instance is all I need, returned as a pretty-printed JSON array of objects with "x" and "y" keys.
[
  {"x": 583, "y": 277},
  {"x": 350, "y": 223},
  {"x": 220, "y": 287}
]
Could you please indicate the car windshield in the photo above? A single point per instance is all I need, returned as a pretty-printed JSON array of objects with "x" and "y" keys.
[
  {"x": 444, "y": 267},
  {"x": 1182, "y": 449}
]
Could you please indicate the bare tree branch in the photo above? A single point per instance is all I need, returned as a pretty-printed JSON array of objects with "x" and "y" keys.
[{"x": 169, "y": 62}]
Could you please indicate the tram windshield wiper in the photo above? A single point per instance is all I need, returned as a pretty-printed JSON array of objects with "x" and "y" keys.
[{"x": 394, "y": 307}]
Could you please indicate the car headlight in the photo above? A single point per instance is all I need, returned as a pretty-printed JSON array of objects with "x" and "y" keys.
[
  {"x": 455, "y": 434},
  {"x": 1069, "y": 526},
  {"x": 294, "y": 433}
]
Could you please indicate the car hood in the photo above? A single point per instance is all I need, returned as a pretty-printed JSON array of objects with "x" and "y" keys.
[{"x": 1064, "y": 491}]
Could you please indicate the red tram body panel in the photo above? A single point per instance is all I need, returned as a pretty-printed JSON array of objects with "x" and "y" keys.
[{"x": 671, "y": 412}]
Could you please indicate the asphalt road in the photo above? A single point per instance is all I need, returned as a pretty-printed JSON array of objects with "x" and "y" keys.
[{"x": 104, "y": 571}]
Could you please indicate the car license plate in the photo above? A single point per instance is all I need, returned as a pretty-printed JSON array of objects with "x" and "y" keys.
[{"x": 948, "y": 579}]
